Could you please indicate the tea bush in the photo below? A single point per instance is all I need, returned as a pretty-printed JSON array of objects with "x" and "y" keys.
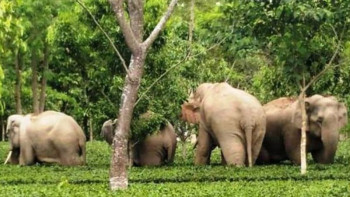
[{"x": 179, "y": 179}]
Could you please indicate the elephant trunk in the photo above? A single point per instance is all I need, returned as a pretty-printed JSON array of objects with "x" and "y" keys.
[{"x": 329, "y": 138}]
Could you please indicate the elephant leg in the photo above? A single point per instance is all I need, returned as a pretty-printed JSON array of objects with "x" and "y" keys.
[
  {"x": 171, "y": 148},
  {"x": 204, "y": 147},
  {"x": 26, "y": 156},
  {"x": 233, "y": 150},
  {"x": 292, "y": 146}
]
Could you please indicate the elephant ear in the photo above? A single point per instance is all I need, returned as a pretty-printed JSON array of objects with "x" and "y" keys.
[{"x": 190, "y": 113}]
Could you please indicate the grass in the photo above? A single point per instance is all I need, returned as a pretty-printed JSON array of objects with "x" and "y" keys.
[{"x": 179, "y": 179}]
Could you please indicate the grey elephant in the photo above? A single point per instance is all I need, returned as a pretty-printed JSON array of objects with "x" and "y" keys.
[
  {"x": 107, "y": 131},
  {"x": 154, "y": 150},
  {"x": 229, "y": 118},
  {"x": 283, "y": 131},
  {"x": 49, "y": 137}
]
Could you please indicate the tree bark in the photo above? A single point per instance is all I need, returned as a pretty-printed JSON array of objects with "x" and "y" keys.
[
  {"x": 18, "y": 86},
  {"x": 133, "y": 34},
  {"x": 35, "y": 82},
  {"x": 44, "y": 79},
  {"x": 119, "y": 163}
]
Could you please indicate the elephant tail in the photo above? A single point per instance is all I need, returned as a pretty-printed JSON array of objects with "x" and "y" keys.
[{"x": 248, "y": 136}]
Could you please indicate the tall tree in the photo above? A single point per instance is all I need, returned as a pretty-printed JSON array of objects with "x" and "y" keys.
[
  {"x": 18, "y": 87},
  {"x": 133, "y": 34},
  {"x": 45, "y": 67}
]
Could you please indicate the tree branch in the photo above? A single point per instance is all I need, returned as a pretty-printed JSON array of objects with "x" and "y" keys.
[
  {"x": 117, "y": 6},
  {"x": 147, "y": 43},
  {"x": 135, "y": 10},
  {"x": 104, "y": 32}
]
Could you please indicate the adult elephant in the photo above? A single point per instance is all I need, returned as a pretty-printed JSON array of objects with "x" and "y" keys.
[
  {"x": 283, "y": 131},
  {"x": 154, "y": 150},
  {"x": 49, "y": 137},
  {"x": 229, "y": 118}
]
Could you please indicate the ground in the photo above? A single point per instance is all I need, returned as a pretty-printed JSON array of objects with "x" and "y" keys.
[{"x": 179, "y": 179}]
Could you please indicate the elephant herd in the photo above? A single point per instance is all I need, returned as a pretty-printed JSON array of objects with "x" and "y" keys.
[{"x": 246, "y": 132}]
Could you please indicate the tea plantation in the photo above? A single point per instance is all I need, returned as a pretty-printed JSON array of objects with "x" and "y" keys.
[{"x": 179, "y": 179}]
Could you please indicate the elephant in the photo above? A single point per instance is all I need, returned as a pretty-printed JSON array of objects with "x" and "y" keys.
[
  {"x": 154, "y": 150},
  {"x": 107, "y": 131},
  {"x": 47, "y": 137},
  {"x": 283, "y": 129},
  {"x": 229, "y": 118}
]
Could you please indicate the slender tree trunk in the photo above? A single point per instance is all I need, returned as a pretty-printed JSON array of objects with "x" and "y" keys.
[
  {"x": 44, "y": 79},
  {"x": 35, "y": 82},
  {"x": 18, "y": 87},
  {"x": 303, "y": 133},
  {"x": 90, "y": 129},
  {"x": 118, "y": 169},
  {"x": 133, "y": 33}
]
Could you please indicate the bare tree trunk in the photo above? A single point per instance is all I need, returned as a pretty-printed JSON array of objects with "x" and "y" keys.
[
  {"x": 133, "y": 34},
  {"x": 90, "y": 129},
  {"x": 18, "y": 87},
  {"x": 35, "y": 83},
  {"x": 118, "y": 171},
  {"x": 303, "y": 139},
  {"x": 44, "y": 79}
]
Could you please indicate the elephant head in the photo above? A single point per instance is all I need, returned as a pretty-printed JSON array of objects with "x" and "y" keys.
[
  {"x": 13, "y": 132},
  {"x": 323, "y": 121},
  {"x": 13, "y": 129},
  {"x": 107, "y": 131},
  {"x": 190, "y": 109}
]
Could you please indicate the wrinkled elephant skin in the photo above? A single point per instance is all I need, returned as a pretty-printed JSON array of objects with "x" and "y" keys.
[
  {"x": 229, "y": 118},
  {"x": 49, "y": 137}
]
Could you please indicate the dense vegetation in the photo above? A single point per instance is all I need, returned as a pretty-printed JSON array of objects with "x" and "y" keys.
[{"x": 179, "y": 179}]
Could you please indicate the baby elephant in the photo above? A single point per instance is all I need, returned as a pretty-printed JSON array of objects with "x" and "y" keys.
[
  {"x": 154, "y": 150},
  {"x": 50, "y": 137}
]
